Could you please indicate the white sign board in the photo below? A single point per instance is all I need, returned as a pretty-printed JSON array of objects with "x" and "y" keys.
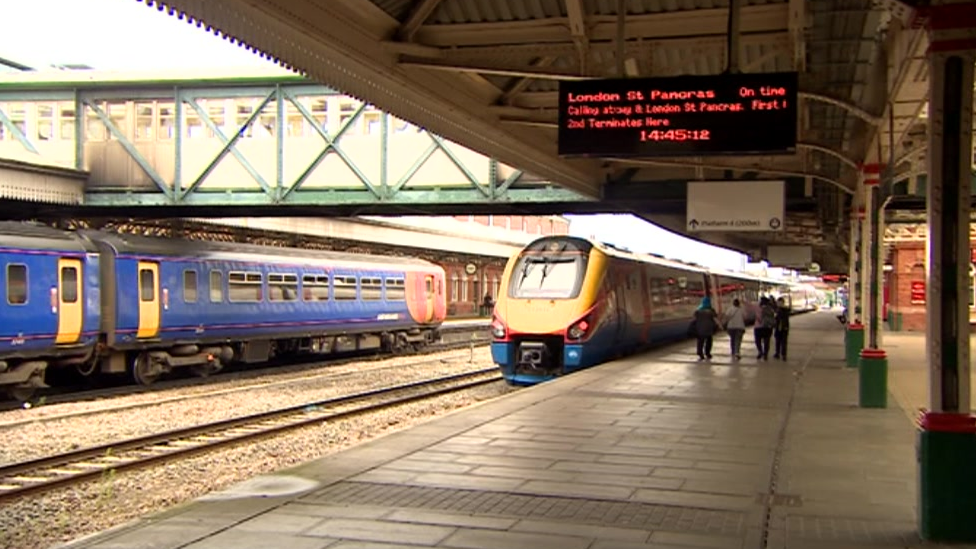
[
  {"x": 797, "y": 257},
  {"x": 735, "y": 205}
]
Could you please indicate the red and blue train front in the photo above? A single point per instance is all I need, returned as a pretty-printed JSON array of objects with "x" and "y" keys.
[{"x": 527, "y": 359}]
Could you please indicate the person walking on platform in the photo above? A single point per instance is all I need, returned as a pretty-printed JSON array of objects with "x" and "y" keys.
[
  {"x": 706, "y": 324},
  {"x": 782, "y": 328},
  {"x": 735, "y": 325},
  {"x": 765, "y": 322}
]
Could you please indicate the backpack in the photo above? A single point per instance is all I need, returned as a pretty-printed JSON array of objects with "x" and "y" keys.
[{"x": 768, "y": 317}]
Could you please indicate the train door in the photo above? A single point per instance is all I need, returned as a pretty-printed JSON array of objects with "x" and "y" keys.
[
  {"x": 429, "y": 294},
  {"x": 67, "y": 301},
  {"x": 148, "y": 299}
]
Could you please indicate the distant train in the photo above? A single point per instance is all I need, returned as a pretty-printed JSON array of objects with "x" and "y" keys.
[
  {"x": 569, "y": 303},
  {"x": 105, "y": 303}
]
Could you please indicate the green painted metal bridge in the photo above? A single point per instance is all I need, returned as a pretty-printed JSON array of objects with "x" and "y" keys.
[{"x": 263, "y": 141}]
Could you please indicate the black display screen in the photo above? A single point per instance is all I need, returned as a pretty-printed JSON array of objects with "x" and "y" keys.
[{"x": 684, "y": 115}]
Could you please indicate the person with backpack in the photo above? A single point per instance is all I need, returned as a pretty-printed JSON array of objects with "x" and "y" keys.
[
  {"x": 782, "y": 329},
  {"x": 735, "y": 325},
  {"x": 765, "y": 322},
  {"x": 705, "y": 325}
]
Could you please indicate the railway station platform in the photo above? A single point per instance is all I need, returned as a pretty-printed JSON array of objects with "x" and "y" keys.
[{"x": 653, "y": 451}]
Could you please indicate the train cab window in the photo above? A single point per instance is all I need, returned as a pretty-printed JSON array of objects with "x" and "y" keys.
[
  {"x": 548, "y": 276},
  {"x": 282, "y": 287},
  {"x": 69, "y": 284},
  {"x": 16, "y": 284},
  {"x": 371, "y": 289},
  {"x": 147, "y": 285},
  {"x": 216, "y": 286},
  {"x": 344, "y": 288},
  {"x": 190, "y": 286},
  {"x": 244, "y": 287},
  {"x": 315, "y": 287},
  {"x": 396, "y": 290}
]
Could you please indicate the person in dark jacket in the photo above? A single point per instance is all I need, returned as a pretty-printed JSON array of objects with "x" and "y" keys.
[
  {"x": 706, "y": 324},
  {"x": 765, "y": 322},
  {"x": 781, "y": 331}
]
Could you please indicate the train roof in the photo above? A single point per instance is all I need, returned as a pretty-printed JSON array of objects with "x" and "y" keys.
[
  {"x": 143, "y": 245},
  {"x": 17, "y": 234}
]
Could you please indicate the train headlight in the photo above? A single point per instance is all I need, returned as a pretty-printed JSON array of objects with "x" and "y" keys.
[
  {"x": 578, "y": 330},
  {"x": 498, "y": 329}
]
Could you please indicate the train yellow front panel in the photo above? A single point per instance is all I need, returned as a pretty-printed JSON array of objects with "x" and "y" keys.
[{"x": 550, "y": 316}]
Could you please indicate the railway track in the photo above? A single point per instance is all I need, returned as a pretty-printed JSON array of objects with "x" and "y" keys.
[
  {"x": 458, "y": 338},
  {"x": 67, "y": 469}
]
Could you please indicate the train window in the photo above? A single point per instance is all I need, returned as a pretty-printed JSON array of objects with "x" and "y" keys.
[
  {"x": 16, "y": 284},
  {"x": 396, "y": 290},
  {"x": 69, "y": 285},
  {"x": 372, "y": 288},
  {"x": 190, "y": 286},
  {"x": 345, "y": 287},
  {"x": 551, "y": 276},
  {"x": 216, "y": 287},
  {"x": 315, "y": 288},
  {"x": 282, "y": 287},
  {"x": 243, "y": 287},
  {"x": 147, "y": 285}
]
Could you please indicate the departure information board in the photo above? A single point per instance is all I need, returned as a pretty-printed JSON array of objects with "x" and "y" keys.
[{"x": 686, "y": 115}]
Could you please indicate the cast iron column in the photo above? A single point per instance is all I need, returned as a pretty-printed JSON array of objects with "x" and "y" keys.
[{"x": 947, "y": 439}]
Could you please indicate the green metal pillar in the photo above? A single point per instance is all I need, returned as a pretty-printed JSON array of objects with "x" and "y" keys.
[
  {"x": 947, "y": 433},
  {"x": 872, "y": 388},
  {"x": 854, "y": 342},
  {"x": 873, "y": 364}
]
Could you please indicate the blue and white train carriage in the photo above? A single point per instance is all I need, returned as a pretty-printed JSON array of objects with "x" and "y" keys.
[{"x": 148, "y": 305}]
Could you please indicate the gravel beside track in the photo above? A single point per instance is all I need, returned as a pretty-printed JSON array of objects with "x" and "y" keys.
[{"x": 62, "y": 515}]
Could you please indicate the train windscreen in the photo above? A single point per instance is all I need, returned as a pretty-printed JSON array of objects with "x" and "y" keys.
[{"x": 555, "y": 272}]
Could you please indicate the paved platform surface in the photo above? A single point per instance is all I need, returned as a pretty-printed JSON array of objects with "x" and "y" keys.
[{"x": 655, "y": 451}]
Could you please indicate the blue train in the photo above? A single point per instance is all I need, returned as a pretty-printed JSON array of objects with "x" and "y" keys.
[
  {"x": 103, "y": 303},
  {"x": 569, "y": 303}
]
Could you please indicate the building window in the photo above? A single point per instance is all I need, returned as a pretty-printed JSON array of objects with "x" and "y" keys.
[
  {"x": 282, "y": 287},
  {"x": 145, "y": 121},
  {"x": 45, "y": 122},
  {"x": 16, "y": 284},
  {"x": 66, "y": 121},
  {"x": 244, "y": 287},
  {"x": 396, "y": 290},
  {"x": 346, "y": 110},
  {"x": 455, "y": 288},
  {"x": 147, "y": 285},
  {"x": 464, "y": 288},
  {"x": 216, "y": 287},
  {"x": 116, "y": 114},
  {"x": 190, "y": 286},
  {"x": 371, "y": 289},
  {"x": 315, "y": 287},
  {"x": 17, "y": 113},
  {"x": 345, "y": 288},
  {"x": 167, "y": 120},
  {"x": 320, "y": 112}
]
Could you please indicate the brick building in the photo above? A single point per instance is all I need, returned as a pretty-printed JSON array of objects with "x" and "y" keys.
[{"x": 905, "y": 285}]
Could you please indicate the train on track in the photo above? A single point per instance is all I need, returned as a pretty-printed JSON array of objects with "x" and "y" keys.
[
  {"x": 99, "y": 303},
  {"x": 569, "y": 303}
]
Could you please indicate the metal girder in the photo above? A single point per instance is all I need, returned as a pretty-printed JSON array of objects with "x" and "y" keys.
[
  {"x": 759, "y": 18},
  {"x": 5, "y": 122},
  {"x": 519, "y": 85},
  {"x": 567, "y": 48},
  {"x": 419, "y": 13}
]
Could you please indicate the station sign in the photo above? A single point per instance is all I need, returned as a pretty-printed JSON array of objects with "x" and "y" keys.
[
  {"x": 735, "y": 206},
  {"x": 753, "y": 113}
]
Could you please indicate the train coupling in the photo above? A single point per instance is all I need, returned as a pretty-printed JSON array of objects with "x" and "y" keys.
[{"x": 533, "y": 354}]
